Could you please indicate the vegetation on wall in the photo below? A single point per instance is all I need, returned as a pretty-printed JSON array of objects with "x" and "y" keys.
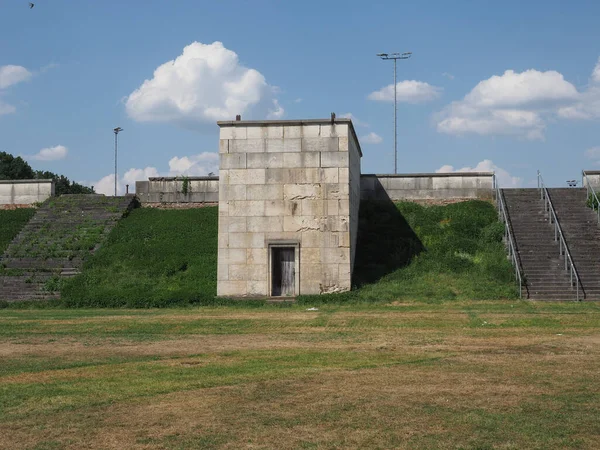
[
  {"x": 16, "y": 168},
  {"x": 11, "y": 222}
]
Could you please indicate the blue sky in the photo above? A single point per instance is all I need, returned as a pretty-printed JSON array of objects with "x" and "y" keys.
[{"x": 511, "y": 86}]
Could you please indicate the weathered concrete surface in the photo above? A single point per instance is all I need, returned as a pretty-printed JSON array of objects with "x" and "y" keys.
[
  {"x": 593, "y": 179},
  {"x": 428, "y": 186},
  {"x": 293, "y": 184},
  {"x": 171, "y": 190},
  {"x": 25, "y": 192}
]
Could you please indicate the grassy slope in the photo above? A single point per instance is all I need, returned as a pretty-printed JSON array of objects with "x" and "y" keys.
[
  {"x": 405, "y": 251},
  {"x": 491, "y": 374},
  {"x": 11, "y": 223},
  {"x": 151, "y": 258}
]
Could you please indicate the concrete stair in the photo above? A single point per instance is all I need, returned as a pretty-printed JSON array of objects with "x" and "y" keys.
[
  {"x": 538, "y": 252},
  {"x": 55, "y": 242}
]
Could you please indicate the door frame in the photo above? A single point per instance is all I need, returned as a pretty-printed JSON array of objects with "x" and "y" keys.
[{"x": 287, "y": 244}]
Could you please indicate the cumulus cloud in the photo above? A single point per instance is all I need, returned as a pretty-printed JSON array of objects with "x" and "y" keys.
[
  {"x": 503, "y": 178},
  {"x": 371, "y": 138},
  {"x": 448, "y": 75},
  {"x": 204, "y": 84},
  {"x": 408, "y": 91},
  {"x": 10, "y": 75},
  {"x": 51, "y": 153},
  {"x": 355, "y": 120},
  {"x": 588, "y": 106},
  {"x": 195, "y": 165}
]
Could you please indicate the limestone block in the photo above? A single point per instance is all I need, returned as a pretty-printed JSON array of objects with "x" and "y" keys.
[
  {"x": 292, "y": 132},
  {"x": 233, "y": 161},
  {"x": 212, "y": 197},
  {"x": 236, "y": 192},
  {"x": 313, "y": 207},
  {"x": 240, "y": 133},
  {"x": 343, "y": 239},
  {"x": 223, "y": 177},
  {"x": 222, "y": 272},
  {"x": 223, "y": 209},
  {"x": 283, "y": 235},
  {"x": 238, "y": 272},
  {"x": 223, "y": 239},
  {"x": 334, "y": 159},
  {"x": 236, "y": 225},
  {"x": 309, "y": 287},
  {"x": 293, "y": 160},
  {"x": 344, "y": 274},
  {"x": 311, "y": 273},
  {"x": 285, "y": 145},
  {"x": 264, "y": 160},
  {"x": 334, "y": 130},
  {"x": 311, "y": 238},
  {"x": 257, "y": 272},
  {"x": 224, "y": 146},
  {"x": 249, "y": 208},
  {"x": 334, "y": 255},
  {"x": 256, "y": 256},
  {"x": 274, "y": 176},
  {"x": 226, "y": 133},
  {"x": 311, "y": 131},
  {"x": 302, "y": 191},
  {"x": 318, "y": 144},
  {"x": 282, "y": 207},
  {"x": 256, "y": 288},
  {"x": 338, "y": 223},
  {"x": 344, "y": 173},
  {"x": 342, "y": 144},
  {"x": 247, "y": 176},
  {"x": 303, "y": 223},
  {"x": 333, "y": 207},
  {"x": 264, "y": 192},
  {"x": 329, "y": 175},
  {"x": 239, "y": 240},
  {"x": 247, "y": 146},
  {"x": 334, "y": 191},
  {"x": 310, "y": 255},
  {"x": 256, "y": 132},
  {"x": 231, "y": 288},
  {"x": 344, "y": 207},
  {"x": 232, "y": 256},
  {"x": 261, "y": 223}
]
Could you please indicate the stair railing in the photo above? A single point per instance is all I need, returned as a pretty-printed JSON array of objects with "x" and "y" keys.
[
  {"x": 563, "y": 250},
  {"x": 508, "y": 238},
  {"x": 589, "y": 187}
]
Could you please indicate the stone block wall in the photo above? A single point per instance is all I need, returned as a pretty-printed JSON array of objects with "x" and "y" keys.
[
  {"x": 171, "y": 190},
  {"x": 428, "y": 186},
  {"x": 25, "y": 192},
  {"x": 293, "y": 184}
]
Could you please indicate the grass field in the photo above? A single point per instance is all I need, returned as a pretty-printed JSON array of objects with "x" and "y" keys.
[
  {"x": 458, "y": 374},
  {"x": 156, "y": 258}
]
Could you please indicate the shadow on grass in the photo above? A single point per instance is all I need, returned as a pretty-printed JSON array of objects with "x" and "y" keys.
[{"x": 385, "y": 241}]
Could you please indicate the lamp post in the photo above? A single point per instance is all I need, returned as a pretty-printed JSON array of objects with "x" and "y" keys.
[
  {"x": 395, "y": 57},
  {"x": 116, "y": 130}
]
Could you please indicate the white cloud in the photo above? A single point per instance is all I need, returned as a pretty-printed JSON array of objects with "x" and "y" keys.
[
  {"x": 408, "y": 91},
  {"x": 5, "y": 108},
  {"x": 504, "y": 179},
  {"x": 371, "y": 138},
  {"x": 106, "y": 185},
  {"x": 197, "y": 165},
  {"x": 510, "y": 104},
  {"x": 51, "y": 153},
  {"x": 355, "y": 120},
  {"x": 10, "y": 75},
  {"x": 588, "y": 106},
  {"x": 204, "y": 84},
  {"x": 593, "y": 154},
  {"x": 596, "y": 73},
  {"x": 298, "y": 100},
  {"x": 448, "y": 75}
]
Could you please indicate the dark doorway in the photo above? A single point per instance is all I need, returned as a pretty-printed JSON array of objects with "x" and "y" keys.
[{"x": 283, "y": 273}]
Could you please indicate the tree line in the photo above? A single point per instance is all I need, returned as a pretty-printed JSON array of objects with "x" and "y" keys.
[{"x": 16, "y": 168}]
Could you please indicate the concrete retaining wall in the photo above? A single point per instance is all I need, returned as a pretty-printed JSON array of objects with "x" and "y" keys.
[
  {"x": 25, "y": 192},
  {"x": 593, "y": 179},
  {"x": 171, "y": 190},
  {"x": 427, "y": 186}
]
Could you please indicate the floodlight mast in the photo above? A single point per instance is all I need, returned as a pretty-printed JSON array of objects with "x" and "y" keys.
[
  {"x": 116, "y": 131},
  {"x": 395, "y": 57}
]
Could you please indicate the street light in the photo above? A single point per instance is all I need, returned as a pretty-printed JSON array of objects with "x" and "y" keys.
[
  {"x": 395, "y": 57},
  {"x": 116, "y": 130}
]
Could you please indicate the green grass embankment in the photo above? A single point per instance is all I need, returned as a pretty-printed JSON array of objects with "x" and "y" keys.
[
  {"x": 405, "y": 252},
  {"x": 151, "y": 258},
  {"x": 11, "y": 222}
]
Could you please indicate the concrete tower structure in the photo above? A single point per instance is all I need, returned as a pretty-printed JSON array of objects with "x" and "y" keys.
[{"x": 289, "y": 195}]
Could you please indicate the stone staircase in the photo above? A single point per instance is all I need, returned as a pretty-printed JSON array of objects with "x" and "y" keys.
[
  {"x": 55, "y": 242},
  {"x": 538, "y": 252},
  {"x": 582, "y": 233}
]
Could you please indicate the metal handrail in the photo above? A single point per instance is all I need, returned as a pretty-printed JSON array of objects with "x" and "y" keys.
[
  {"x": 589, "y": 186},
  {"x": 558, "y": 235},
  {"x": 512, "y": 248}
]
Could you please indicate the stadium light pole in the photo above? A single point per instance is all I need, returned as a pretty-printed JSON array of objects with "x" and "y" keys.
[
  {"x": 395, "y": 57},
  {"x": 116, "y": 130}
]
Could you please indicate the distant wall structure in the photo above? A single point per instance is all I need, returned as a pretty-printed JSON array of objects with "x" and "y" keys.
[
  {"x": 178, "y": 190},
  {"x": 25, "y": 192},
  {"x": 428, "y": 186},
  {"x": 592, "y": 178},
  {"x": 289, "y": 193}
]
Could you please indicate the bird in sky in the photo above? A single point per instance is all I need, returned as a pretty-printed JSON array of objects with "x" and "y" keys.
[{"x": 31, "y": 5}]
